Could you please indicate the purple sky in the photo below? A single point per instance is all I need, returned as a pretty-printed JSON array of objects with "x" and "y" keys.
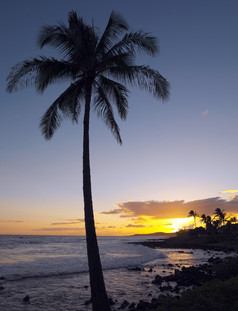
[{"x": 182, "y": 149}]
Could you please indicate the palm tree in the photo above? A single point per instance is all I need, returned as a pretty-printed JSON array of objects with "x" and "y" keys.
[
  {"x": 97, "y": 67},
  {"x": 233, "y": 220},
  {"x": 194, "y": 215},
  {"x": 220, "y": 215},
  {"x": 208, "y": 221}
]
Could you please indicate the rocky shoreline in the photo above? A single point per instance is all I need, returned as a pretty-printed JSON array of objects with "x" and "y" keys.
[{"x": 188, "y": 279}]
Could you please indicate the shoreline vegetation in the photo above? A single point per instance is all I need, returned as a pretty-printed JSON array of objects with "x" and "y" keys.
[{"x": 212, "y": 286}]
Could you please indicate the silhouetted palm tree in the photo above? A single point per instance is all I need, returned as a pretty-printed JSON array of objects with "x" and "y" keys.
[
  {"x": 220, "y": 215},
  {"x": 208, "y": 221},
  {"x": 95, "y": 65},
  {"x": 194, "y": 215},
  {"x": 233, "y": 220}
]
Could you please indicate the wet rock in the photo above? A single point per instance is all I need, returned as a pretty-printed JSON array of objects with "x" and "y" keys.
[
  {"x": 189, "y": 276},
  {"x": 150, "y": 270},
  {"x": 158, "y": 280},
  {"x": 1, "y": 288},
  {"x": 26, "y": 299},
  {"x": 111, "y": 302},
  {"x": 214, "y": 260},
  {"x": 124, "y": 304},
  {"x": 176, "y": 289},
  {"x": 87, "y": 302},
  {"x": 136, "y": 269},
  {"x": 166, "y": 288},
  {"x": 132, "y": 306},
  {"x": 143, "y": 305}
]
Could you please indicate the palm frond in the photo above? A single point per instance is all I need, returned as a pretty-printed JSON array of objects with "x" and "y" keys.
[
  {"x": 40, "y": 72},
  {"x": 117, "y": 93},
  {"x": 70, "y": 39},
  {"x": 104, "y": 110},
  {"x": 51, "y": 70},
  {"x": 133, "y": 42},
  {"x": 67, "y": 105},
  {"x": 123, "y": 59},
  {"x": 116, "y": 26},
  {"x": 144, "y": 77}
]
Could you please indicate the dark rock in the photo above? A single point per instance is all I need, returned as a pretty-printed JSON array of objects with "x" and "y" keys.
[
  {"x": 214, "y": 260},
  {"x": 150, "y": 270},
  {"x": 2, "y": 278},
  {"x": 132, "y": 306},
  {"x": 136, "y": 269},
  {"x": 154, "y": 300},
  {"x": 86, "y": 286},
  {"x": 189, "y": 276},
  {"x": 158, "y": 280},
  {"x": 111, "y": 302},
  {"x": 143, "y": 305},
  {"x": 176, "y": 289},
  {"x": 26, "y": 299},
  {"x": 1, "y": 288},
  {"x": 166, "y": 288},
  {"x": 124, "y": 304},
  {"x": 87, "y": 302}
]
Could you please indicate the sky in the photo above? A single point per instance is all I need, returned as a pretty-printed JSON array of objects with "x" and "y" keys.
[{"x": 177, "y": 155}]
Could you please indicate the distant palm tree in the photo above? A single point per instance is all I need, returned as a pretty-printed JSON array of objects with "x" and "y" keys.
[
  {"x": 207, "y": 220},
  {"x": 233, "y": 220},
  {"x": 95, "y": 65},
  {"x": 194, "y": 215},
  {"x": 221, "y": 216}
]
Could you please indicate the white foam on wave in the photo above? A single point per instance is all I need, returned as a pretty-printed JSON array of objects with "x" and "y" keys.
[{"x": 46, "y": 256}]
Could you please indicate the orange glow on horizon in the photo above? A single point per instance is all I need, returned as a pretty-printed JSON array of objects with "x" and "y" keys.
[{"x": 115, "y": 227}]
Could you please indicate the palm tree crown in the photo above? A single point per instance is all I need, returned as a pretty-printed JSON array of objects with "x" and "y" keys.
[
  {"x": 94, "y": 65},
  {"x": 194, "y": 215},
  {"x": 221, "y": 215},
  {"x": 97, "y": 67}
]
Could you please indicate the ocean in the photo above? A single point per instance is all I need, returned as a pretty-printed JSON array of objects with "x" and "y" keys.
[{"x": 53, "y": 271}]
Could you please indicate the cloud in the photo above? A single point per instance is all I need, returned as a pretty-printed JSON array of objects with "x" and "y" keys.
[
  {"x": 229, "y": 191},
  {"x": 113, "y": 211},
  {"x": 77, "y": 221},
  {"x": 135, "y": 226},
  {"x": 205, "y": 113},
  {"x": 173, "y": 209},
  {"x": 58, "y": 229}
]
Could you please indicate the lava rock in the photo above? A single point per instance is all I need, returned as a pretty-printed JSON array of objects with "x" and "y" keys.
[
  {"x": 158, "y": 280},
  {"x": 26, "y": 299},
  {"x": 124, "y": 304}
]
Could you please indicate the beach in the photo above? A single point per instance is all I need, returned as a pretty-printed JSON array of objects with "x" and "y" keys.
[{"x": 128, "y": 275}]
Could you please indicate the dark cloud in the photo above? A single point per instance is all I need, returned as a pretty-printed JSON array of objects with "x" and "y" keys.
[
  {"x": 174, "y": 209},
  {"x": 58, "y": 229},
  {"x": 77, "y": 221},
  {"x": 135, "y": 226},
  {"x": 113, "y": 211}
]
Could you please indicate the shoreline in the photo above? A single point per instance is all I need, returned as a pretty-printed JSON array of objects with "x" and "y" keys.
[
  {"x": 193, "y": 242},
  {"x": 217, "y": 272}
]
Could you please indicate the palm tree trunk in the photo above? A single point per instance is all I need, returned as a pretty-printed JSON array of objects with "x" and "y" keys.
[{"x": 98, "y": 290}]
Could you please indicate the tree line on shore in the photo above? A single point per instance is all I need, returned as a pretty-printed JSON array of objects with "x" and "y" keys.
[{"x": 220, "y": 222}]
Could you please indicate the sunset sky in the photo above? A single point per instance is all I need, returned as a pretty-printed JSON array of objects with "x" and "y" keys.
[{"x": 176, "y": 155}]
